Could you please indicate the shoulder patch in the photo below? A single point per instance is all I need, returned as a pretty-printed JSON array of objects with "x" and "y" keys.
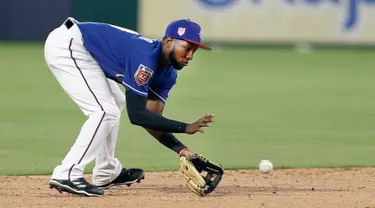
[{"x": 142, "y": 75}]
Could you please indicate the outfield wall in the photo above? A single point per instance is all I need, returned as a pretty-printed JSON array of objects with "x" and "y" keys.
[
  {"x": 31, "y": 20},
  {"x": 271, "y": 21},
  {"x": 23, "y": 20},
  {"x": 342, "y": 22}
]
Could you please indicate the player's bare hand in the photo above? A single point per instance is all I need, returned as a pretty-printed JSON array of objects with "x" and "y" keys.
[
  {"x": 186, "y": 152},
  {"x": 199, "y": 124}
]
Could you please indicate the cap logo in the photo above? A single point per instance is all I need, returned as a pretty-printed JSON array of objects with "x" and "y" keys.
[{"x": 181, "y": 31}]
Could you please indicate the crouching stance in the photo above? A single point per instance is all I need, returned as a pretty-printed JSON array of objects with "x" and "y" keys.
[{"x": 91, "y": 61}]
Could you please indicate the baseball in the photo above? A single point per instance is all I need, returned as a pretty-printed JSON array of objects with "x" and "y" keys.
[{"x": 265, "y": 166}]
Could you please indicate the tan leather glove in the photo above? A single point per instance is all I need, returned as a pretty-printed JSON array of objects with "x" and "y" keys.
[{"x": 201, "y": 175}]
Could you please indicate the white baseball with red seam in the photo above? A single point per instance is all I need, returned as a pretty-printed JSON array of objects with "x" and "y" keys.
[{"x": 265, "y": 166}]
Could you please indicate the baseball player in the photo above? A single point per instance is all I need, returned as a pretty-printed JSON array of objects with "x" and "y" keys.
[{"x": 91, "y": 60}]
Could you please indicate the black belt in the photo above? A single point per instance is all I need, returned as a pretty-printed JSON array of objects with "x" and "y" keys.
[{"x": 69, "y": 23}]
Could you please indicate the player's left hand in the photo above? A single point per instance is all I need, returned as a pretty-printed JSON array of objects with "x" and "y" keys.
[
  {"x": 199, "y": 124},
  {"x": 201, "y": 175}
]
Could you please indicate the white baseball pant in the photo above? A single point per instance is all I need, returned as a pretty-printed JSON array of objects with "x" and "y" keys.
[{"x": 99, "y": 98}]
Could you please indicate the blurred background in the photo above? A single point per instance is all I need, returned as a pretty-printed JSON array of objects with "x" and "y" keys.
[{"x": 291, "y": 81}]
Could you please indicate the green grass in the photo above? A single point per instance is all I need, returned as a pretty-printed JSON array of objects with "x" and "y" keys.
[{"x": 298, "y": 110}]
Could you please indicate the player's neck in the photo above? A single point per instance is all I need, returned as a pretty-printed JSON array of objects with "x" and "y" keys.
[
  {"x": 163, "y": 59},
  {"x": 163, "y": 63}
]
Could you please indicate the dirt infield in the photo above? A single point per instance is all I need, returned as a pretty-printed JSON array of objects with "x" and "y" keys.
[{"x": 352, "y": 187}]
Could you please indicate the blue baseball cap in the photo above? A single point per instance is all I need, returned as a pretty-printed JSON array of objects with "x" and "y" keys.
[{"x": 187, "y": 30}]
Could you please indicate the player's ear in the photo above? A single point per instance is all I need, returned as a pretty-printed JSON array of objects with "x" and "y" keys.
[{"x": 170, "y": 42}]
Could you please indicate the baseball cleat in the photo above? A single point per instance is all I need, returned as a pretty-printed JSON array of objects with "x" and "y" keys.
[
  {"x": 78, "y": 187},
  {"x": 126, "y": 177}
]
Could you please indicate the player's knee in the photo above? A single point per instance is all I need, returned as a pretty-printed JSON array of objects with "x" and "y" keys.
[
  {"x": 109, "y": 114},
  {"x": 113, "y": 114}
]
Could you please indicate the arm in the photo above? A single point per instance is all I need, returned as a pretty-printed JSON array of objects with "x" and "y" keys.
[
  {"x": 139, "y": 115},
  {"x": 165, "y": 138}
]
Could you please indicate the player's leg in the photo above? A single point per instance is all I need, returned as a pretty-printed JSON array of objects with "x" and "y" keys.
[
  {"x": 108, "y": 170},
  {"x": 84, "y": 81},
  {"x": 107, "y": 167}
]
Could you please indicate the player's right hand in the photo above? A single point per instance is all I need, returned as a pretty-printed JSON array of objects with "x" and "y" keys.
[{"x": 198, "y": 125}]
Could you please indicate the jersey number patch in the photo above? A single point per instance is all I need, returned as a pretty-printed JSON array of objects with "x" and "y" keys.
[{"x": 142, "y": 75}]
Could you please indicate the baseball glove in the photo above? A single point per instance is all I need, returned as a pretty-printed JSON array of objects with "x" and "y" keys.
[{"x": 201, "y": 175}]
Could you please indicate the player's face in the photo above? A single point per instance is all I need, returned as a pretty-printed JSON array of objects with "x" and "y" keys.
[{"x": 181, "y": 53}]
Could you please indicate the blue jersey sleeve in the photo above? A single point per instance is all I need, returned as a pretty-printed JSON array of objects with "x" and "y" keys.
[
  {"x": 138, "y": 74},
  {"x": 163, "y": 84}
]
